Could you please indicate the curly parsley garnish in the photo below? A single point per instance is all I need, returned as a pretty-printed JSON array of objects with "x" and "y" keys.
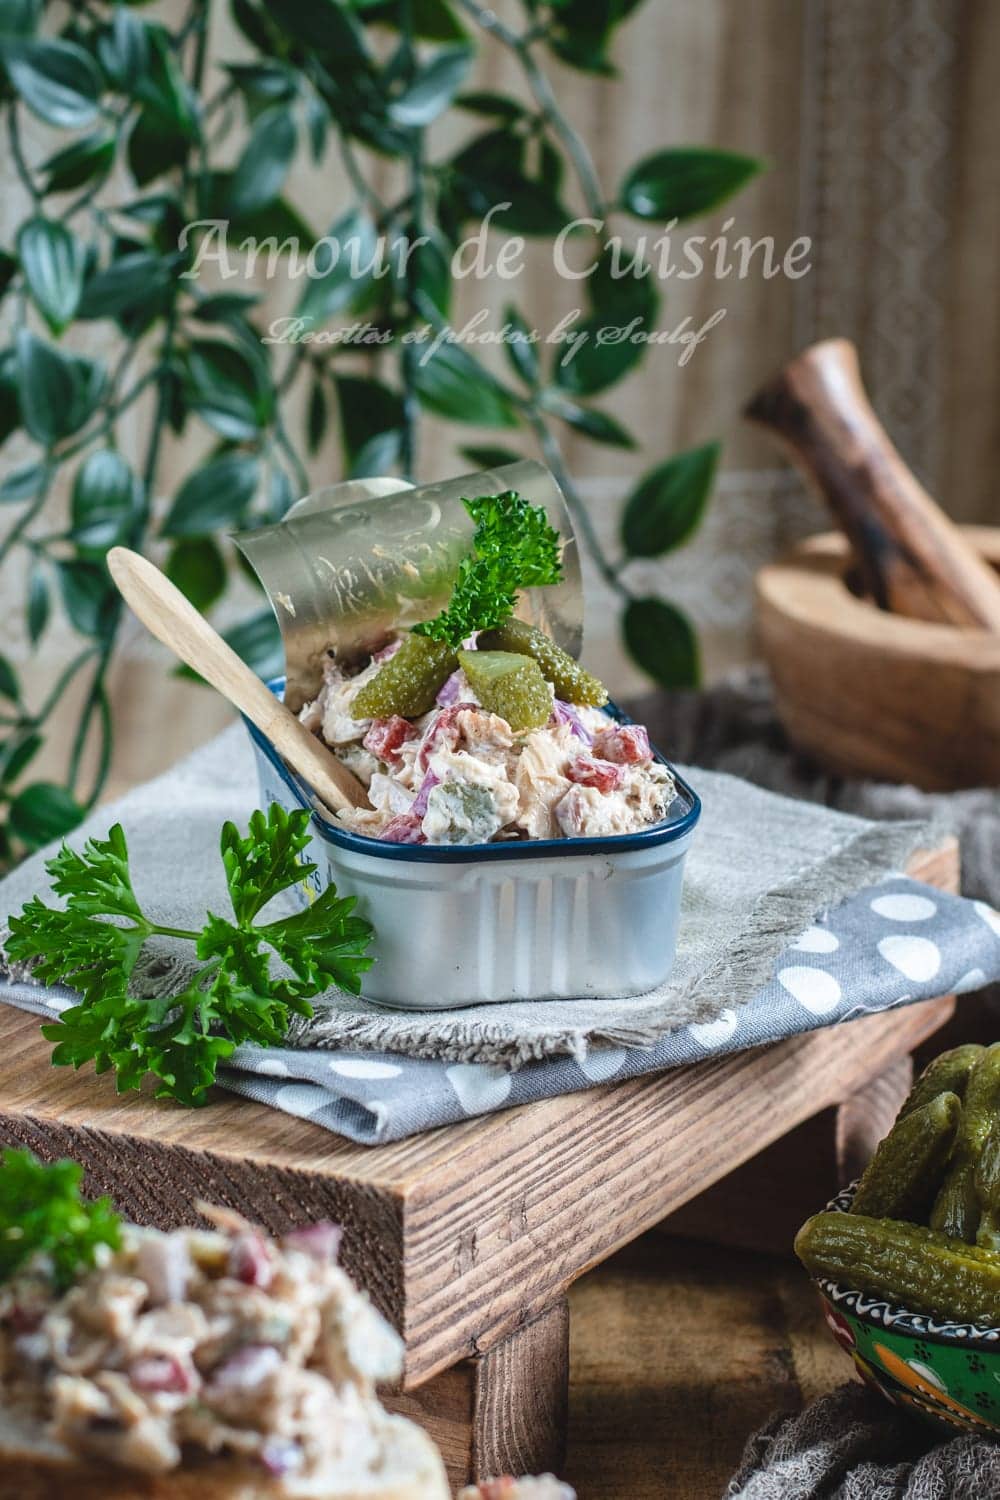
[
  {"x": 181, "y": 1039},
  {"x": 513, "y": 548},
  {"x": 42, "y": 1213}
]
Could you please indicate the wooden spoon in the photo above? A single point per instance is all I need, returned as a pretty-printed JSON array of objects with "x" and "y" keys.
[
  {"x": 166, "y": 613},
  {"x": 914, "y": 560}
]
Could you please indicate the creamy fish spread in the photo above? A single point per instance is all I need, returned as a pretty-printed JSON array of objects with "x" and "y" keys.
[{"x": 460, "y": 775}]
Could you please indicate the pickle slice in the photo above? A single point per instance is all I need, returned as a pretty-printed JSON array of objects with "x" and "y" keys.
[
  {"x": 408, "y": 682},
  {"x": 571, "y": 681},
  {"x": 510, "y": 685}
]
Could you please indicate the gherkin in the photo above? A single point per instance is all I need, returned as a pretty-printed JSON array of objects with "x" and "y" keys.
[
  {"x": 571, "y": 681},
  {"x": 510, "y": 685},
  {"x": 408, "y": 683}
]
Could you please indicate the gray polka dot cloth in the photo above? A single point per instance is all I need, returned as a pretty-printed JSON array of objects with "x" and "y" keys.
[{"x": 891, "y": 944}]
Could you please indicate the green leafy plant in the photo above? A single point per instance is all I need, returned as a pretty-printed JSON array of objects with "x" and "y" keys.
[
  {"x": 42, "y": 1214},
  {"x": 95, "y": 943},
  {"x": 147, "y": 149}
]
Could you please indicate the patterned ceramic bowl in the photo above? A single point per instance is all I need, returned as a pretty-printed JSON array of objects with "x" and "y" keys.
[{"x": 947, "y": 1372}]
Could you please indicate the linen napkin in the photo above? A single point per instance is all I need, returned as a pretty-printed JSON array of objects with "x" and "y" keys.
[
  {"x": 760, "y": 867},
  {"x": 852, "y": 1445}
]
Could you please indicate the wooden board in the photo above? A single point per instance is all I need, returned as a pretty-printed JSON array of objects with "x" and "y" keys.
[{"x": 468, "y": 1236}]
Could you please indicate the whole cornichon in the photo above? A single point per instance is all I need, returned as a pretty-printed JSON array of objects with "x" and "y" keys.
[
  {"x": 573, "y": 683},
  {"x": 988, "y": 1190},
  {"x": 905, "y": 1264},
  {"x": 408, "y": 683},
  {"x": 948, "y": 1073},
  {"x": 956, "y": 1208},
  {"x": 903, "y": 1176}
]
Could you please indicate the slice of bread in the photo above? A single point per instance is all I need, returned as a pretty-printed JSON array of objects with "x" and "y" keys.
[{"x": 33, "y": 1467}]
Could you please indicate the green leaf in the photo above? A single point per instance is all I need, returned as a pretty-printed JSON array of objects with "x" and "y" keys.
[
  {"x": 228, "y": 390},
  {"x": 326, "y": 25},
  {"x": 449, "y": 382},
  {"x": 279, "y": 498},
  {"x": 263, "y": 167},
  {"x": 225, "y": 306},
  {"x": 162, "y": 88},
  {"x": 44, "y": 1219},
  {"x": 485, "y": 457},
  {"x": 9, "y": 686},
  {"x": 125, "y": 285},
  {"x": 215, "y": 496},
  {"x": 255, "y": 27},
  {"x": 198, "y": 569},
  {"x": 433, "y": 19},
  {"x": 89, "y": 159},
  {"x": 684, "y": 181},
  {"x": 22, "y": 484},
  {"x": 520, "y": 348},
  {"x": 369, "y": 411},
  {"x": 43, "y": 812},
  {"x": 662, "y": 642},
  {"x": 344, "y": 271},
  {"x": 10, "y": 400},
  {"x": 433, "y": 88},
  {"x": 17, "y": 756},
  {"x": 59, "y": 392},
  {"x": 485, "y": 102},
  {"x": 52, "y": 259},
  {"x": 126, "y": 51},
  {"x": 58, "y": 81},
  {"x": 599, "y": 426},
  {"x": 315, "y": 416},
  {"x": 317, "y": 115},
  {"x": 8, "y": 270},
  {"x": 490, "y": 170},
  {"x": 19, "y": 18},
  {"x": 666, "y": 506},
  {"x": 39, "y": 604},
  {"x": 155, "y": 148},
  {"x": 424, "y": 260},
  {"x": 106, "y": 500},
  {"x": 594, "y": 366},
  {"x": 88, "y": 595}
]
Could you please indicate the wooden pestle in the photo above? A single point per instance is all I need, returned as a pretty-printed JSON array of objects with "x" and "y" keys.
[{"x": 912, "y": 558}]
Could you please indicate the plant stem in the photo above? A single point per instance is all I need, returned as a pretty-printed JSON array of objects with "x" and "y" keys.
[
  {"x": 26, "y": 517},
  {"x": 17, "y": 153},
  {"x": 544, "y": 95},
  {"x": 552, "y": 453}
]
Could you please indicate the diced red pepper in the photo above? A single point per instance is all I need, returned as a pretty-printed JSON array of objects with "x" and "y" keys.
[
  {"x": 404, "y": 828},
  {"x": 626, "y": 744},
  {"x": 602, "y": 774},
  {"x": 385, "y": 736}
]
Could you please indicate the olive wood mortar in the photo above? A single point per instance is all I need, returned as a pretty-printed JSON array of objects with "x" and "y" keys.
[{"x": 874, "y": 694}]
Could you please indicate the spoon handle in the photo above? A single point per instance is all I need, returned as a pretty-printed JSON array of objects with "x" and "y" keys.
[{"x": 166, "y": 613}]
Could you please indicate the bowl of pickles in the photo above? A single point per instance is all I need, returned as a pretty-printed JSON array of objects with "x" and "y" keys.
[{"x": 907, "y": 1259}]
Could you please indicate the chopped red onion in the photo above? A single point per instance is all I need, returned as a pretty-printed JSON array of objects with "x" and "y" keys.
[
  {"x": 163, "y": 1262},
  {"x": 250, "y": 1261},
  {"x": 565, "y": 713},
  {"x": 248, "y": 1368},
  {"x": 450, "y": 689},
  {"x": 419, "y": 804},
  {"x": 384, "y": 652},
  {"x": 281, "y": 1456},
  {"x": 626, "y": 744},
  {"x": 321, "y": 1241},
  {"x": 162, "y": 1372}
]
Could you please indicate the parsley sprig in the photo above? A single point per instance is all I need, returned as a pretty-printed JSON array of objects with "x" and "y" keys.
[
  {"x": 234, "y": 997},
  {"x": 42, "y": 1213},
  {"x": 513, "y": 548}
]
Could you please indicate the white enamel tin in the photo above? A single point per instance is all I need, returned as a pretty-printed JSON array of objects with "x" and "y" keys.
[{"x": 532, "y": 920}]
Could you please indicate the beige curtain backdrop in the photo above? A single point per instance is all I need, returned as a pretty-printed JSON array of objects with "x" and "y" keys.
[{"x": 879, "y": 119}]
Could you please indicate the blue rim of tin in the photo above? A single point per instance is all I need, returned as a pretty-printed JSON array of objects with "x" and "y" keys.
[{"x": 669, "y": 830}]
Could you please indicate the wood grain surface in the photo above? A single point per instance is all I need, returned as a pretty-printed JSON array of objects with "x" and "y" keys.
[
  {"x": 912, "y": 558},
  {"x": 873, "y": 694},
  {"x": 466, "y": 1233}
]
